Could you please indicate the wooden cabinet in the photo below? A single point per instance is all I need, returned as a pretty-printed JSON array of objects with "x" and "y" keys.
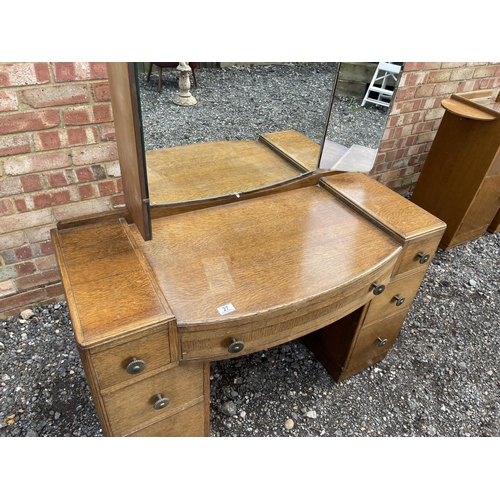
[{"x": 460, "y": 181}]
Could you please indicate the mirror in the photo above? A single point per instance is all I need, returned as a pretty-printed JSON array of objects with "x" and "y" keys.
[
  {"x": 237, "y": 107},
  {"x": 235, "y": 130},
  {"x": 358, "y": 116},
  {"x": 270, "y": 133}
]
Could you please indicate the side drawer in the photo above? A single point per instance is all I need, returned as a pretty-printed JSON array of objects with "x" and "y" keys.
[
  {"x": 398, "y": 295},
  {"x": 132, "y": 407},
  {"x": 186, "y": 423},
  {"x": 418, "y": 253},
  {"x": 368, "y": 349},
  {"x": 153, "y": 348}
]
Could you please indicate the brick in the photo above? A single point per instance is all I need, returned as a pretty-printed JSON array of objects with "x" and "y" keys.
[
  {"x": 484, "y": 72},
  {"x": 12, "y": 240},
  {"x": 47, "y": 247},
  {"x": 100, "y": 91},
  {"x": 113, "y": 169},
  {"x": 35, "y": 163},
  {"x": 84, "y": 174},
  {"x": 45, "y": 200},
  {"x": 462, "y": 74},
  {"x": 23, "y": 253},
  {"x": 426, "y": 66},
  {"x": 85, "y": 115},
  {"x": 99, "y": 172},
  {"x": 106, "y": 188},
  {"x": 56, "y": 95},
  {"x": 7, "y": 288},
  {"x": 25, "y": 268},
  {"x": 17, "y": 74},
  {"x": 413, "y": 66},
  {"x": 8, "y": 100},
  {"x": 413, "y": 79},
  {"x": 95, "y": 154},
  {"x": 107, "y": 132},
  {"x": 24, "y": 204},
  {"x": 20, "y": 301},
  {"x": 118, "y": 201},
  {"x": 445, "y": 89},
  {"x": 64, "y": 138},
  {"x": 56, "y": 179},
  {"x": 439, "y": 76},
  {"x": 22, "y": 221},
  {"x": 14, "y": 144},
  {"x": 427, "y": 137},
  {"x": 31, "y": 183},
  {"x": 55, "y": 292},
  {"x": 73, "y": 71},
  {"x": 48, "y": 262},
  {"x": 29, "y": 121},
  {"x": 448, "y": 65},
  {"x": 82, "y": 208},
  {"x": 38, "y": 234},
  {"x": 87, "y": 191},
  {"x": 425, "y": 90},
  {"x": 405, "y": 94},
  {"x": 6, "y": 207},
  {"x": 37, "y": 279},
  {"x": 10, "y": 186},
  {"x": 81, "y": 136},
  {"x": 48, "y": 140}
]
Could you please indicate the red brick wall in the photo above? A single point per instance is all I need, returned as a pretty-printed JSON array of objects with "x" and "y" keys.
[
  {"x": 416, "y": 114},
  {"x": 58, "y": 159},
  {"x": 58, "y": 156}
]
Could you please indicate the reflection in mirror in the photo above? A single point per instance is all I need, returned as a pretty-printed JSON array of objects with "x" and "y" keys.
[
  {"x": 252, "y": 126},
  {"x": 358, "y": 115}
]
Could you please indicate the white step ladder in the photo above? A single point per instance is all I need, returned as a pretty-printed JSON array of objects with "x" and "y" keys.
[{"x": 385, "y": 73}]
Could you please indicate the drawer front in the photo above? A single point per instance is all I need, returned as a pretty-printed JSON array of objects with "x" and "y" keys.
[
  {"x": 205, "y": 344},
  {"x": 186, "y": 423},
  {"x": 398, "y": 295},
  {"x": 375, "y": 340},
  {"x": 153, "y": 349},
  {"x": 132, "y": 407},
  {"x": 418, "y": 253}
]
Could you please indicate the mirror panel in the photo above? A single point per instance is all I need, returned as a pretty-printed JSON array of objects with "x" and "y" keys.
[
  {"x": 252, "y": 126},
  {"x": 354, "y": 131}
]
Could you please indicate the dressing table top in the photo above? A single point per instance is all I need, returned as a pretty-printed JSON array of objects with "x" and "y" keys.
[{"x": 262, "y": 256}]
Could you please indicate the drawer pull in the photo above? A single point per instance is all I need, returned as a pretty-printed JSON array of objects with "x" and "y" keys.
[
  {"x": 136, "y": 366},
  {"x": 399, "y": 300},
  {"x": 236, "y": 346},
  {"x": 381, "y": 342},
  {"x": 161, "y": 402},
  {"x": 424, "y": 257},
  {"x": 378, "y": 289}
]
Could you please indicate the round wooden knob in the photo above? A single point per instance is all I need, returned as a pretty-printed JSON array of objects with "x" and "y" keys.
[
  {"x": 399, "y": 300},
  {"x": 378, "y": 289},
  {"x": 236, "y": 346},
  {"x": 424, "y": 257},
  {"x": 161, "y": 402},
  {"x": 136, "y": 366}
]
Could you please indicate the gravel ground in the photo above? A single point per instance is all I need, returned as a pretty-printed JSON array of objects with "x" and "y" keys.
[{"x": 440, "y": 379}]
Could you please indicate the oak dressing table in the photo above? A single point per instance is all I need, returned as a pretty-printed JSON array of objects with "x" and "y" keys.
[{"x": 333, "y": 258}]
